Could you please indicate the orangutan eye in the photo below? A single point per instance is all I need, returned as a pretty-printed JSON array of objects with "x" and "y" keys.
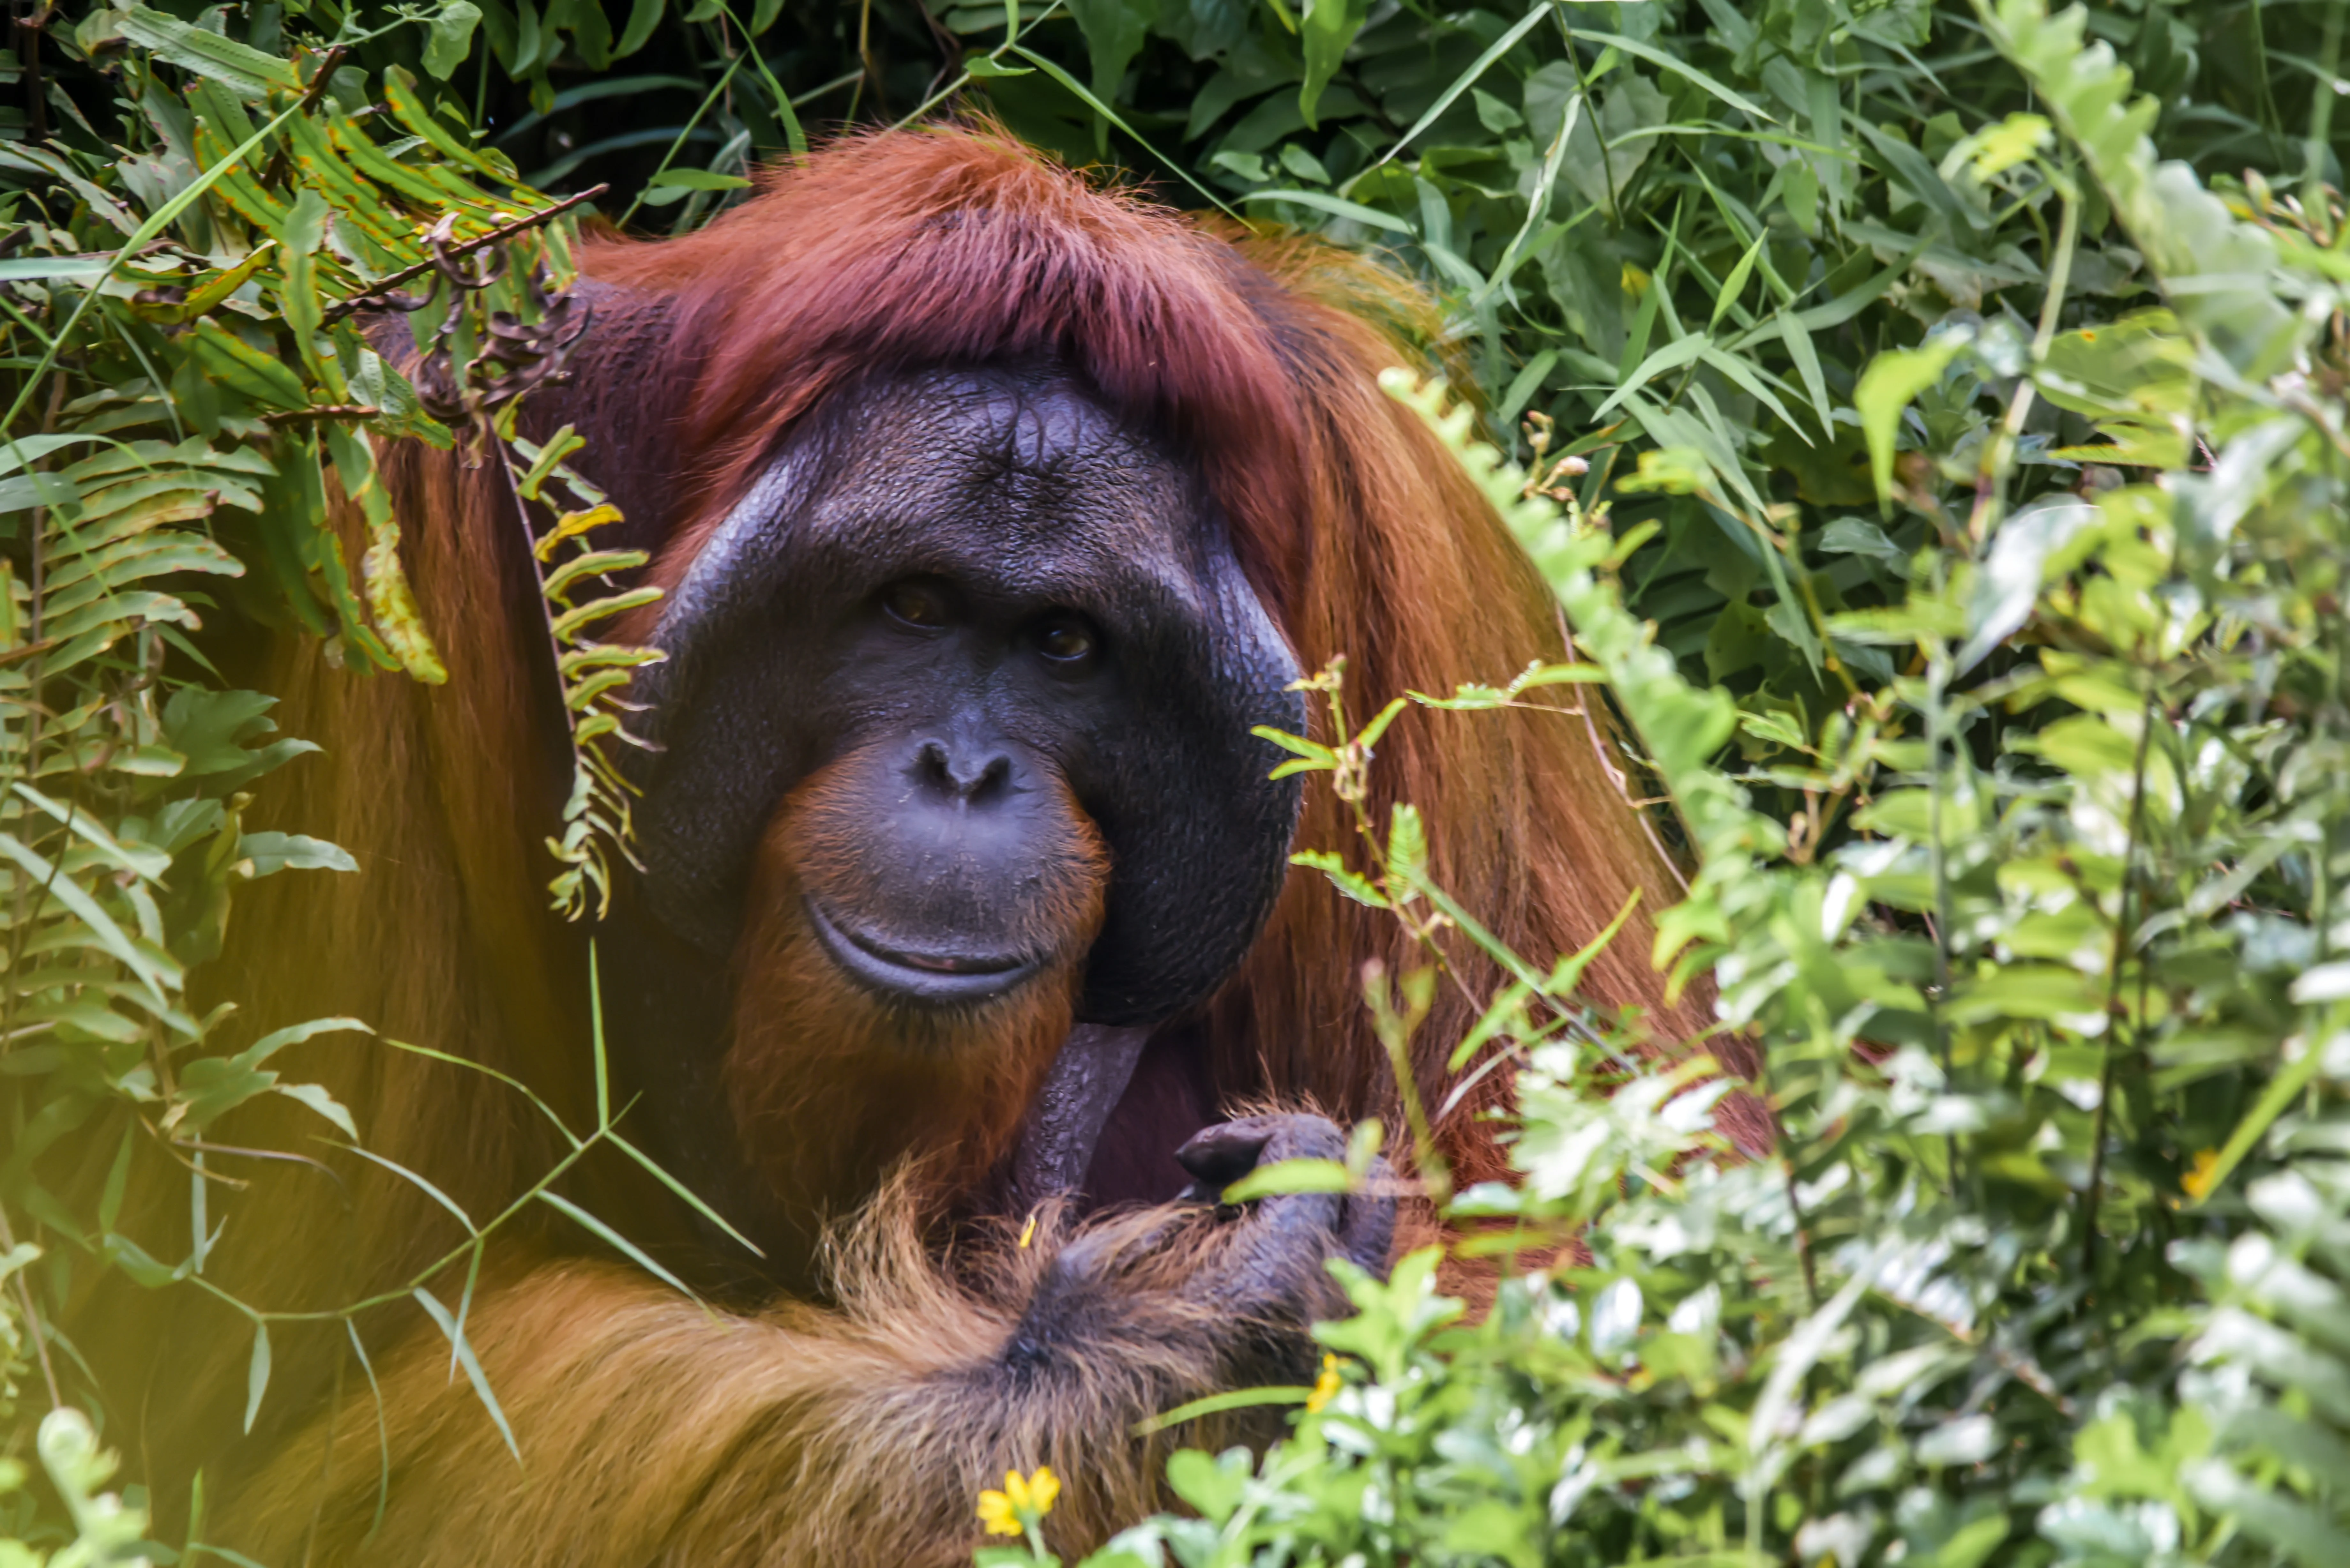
[
  {"x": 1065, "y": 640},
  {"x": 916, "y": 605}
]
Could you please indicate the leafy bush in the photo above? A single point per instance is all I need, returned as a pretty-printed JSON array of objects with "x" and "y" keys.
[{"x": 1947, "y": 495}]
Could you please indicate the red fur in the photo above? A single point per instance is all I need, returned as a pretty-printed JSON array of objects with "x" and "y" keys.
[{"x": 945, "y": 247}]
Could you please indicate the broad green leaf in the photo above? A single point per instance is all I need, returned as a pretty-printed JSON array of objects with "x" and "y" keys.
[
  {"x": 1113, "y": 31},
  {"x": 1888, "y": 387},
  {"x": 450, "y": 37}
]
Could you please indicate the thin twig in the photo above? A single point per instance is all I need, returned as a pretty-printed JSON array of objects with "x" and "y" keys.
[
  {"x": 28, "y": 56},
  {"x": 320, "y": 80},
  {"x": 1803, "y": 1234},
  {"x": 376, "y": 291},
  {"x": 2113, "y": 999},
  {"x": 320, "y": 412},
  {"x": 32, "y": 1319}
]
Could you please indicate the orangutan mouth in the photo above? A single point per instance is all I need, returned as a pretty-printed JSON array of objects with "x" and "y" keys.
[{"x": 902, "y": 973}]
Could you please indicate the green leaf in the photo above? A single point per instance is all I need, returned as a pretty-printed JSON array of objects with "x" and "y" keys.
[
  {"x": 426, "y": 1188},
  {"x": 274, "y": 852},
  {"x": 1352, "y": 884},
  {"x": 1672, "y": 357},
  {"x": 1749, "y": 380},
  {"x": 1212, "y": 1486},
  {"x": 1113, "y": 31},
  {"x": 1735, "y": 284},
  {"x": 1798, "y": 341},
  {"x": 2188, "y": 235},
  {"x": 56, "y": 269},
  {"x": 118, "y": 1176},
  {"x": 1567, "y": 974},
  {"x": 1892, "y": 379},
  {"x": 154, "y": 968},
  {"x": 697, "y": 180},
  {"x": 617, "y": 1241},
  {"x": 2029, "y": 548},
  {"x": 1376, "y": 731},
  {"x": 1077, "y": 90},
  {"x": 243, "y": 70},
  {"x": 450, "y": 37},
  {"x": 1469, "y": 78},
  {"x": 2281, "y": 1092},
  {"x": 547, "y": 457},
  {"x": 1291, "y": 1176},
  {"x": 643, "y": 16},
  {"x": 1326, "y": 29},
  {"x": 686, "y": 1194},
  {"x": 256, "y": 1372},
  {"x": 1217, "y": 1404},
  {"x": 391, "y": 603},
  {"x": 1407, "y": 844},
  {"x": 1679, "y": 67},
  {"x": 305, "y": 226},
  {"x": 463, "y": 1349},
  {"x": 1336, "y": 206}
]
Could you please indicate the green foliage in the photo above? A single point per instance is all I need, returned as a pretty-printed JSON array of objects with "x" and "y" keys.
[
  {"x": 2016, "y": 819},
  {"x": 185, "y": 388},
  {"x": 1937, "y": 443}
]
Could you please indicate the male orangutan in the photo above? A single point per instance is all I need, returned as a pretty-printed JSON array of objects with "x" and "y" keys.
[{"x": 994, "y": 510}]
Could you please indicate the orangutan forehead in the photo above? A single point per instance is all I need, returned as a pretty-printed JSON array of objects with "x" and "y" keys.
[
  {"x": 1019, "y": 422},
  {"x": 1026, "y": 468}
]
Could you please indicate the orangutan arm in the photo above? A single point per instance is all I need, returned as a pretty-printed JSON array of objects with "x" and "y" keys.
[{"x": 654, "y": 1431}]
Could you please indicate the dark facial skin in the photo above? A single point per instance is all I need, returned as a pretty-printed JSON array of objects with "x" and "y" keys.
[
  {"x": 988, "y": 657},
  {"x": 997, "y": 607}
]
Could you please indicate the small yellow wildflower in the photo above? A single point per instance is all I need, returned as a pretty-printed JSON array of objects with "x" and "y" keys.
[
  {"x": 1326, "y": 1387},
  {"x": 995, "y": 1512},
  {"x": 2198, "y": 1181},
  {"x": 1021, "y": 1503}
]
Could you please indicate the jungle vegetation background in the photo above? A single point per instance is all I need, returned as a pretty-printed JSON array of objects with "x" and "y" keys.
[{"x": 1932, "y": 418}]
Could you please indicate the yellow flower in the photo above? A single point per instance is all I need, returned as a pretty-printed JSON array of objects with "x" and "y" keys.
[
  {"x": 2198, "y": 1181},
  {"x": 1021, "y": 1503},
  {"x": 1046, "y": 1488},
  {"x": 1326, "y": 1387},
  {"x": 995, "y": 1512}
]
